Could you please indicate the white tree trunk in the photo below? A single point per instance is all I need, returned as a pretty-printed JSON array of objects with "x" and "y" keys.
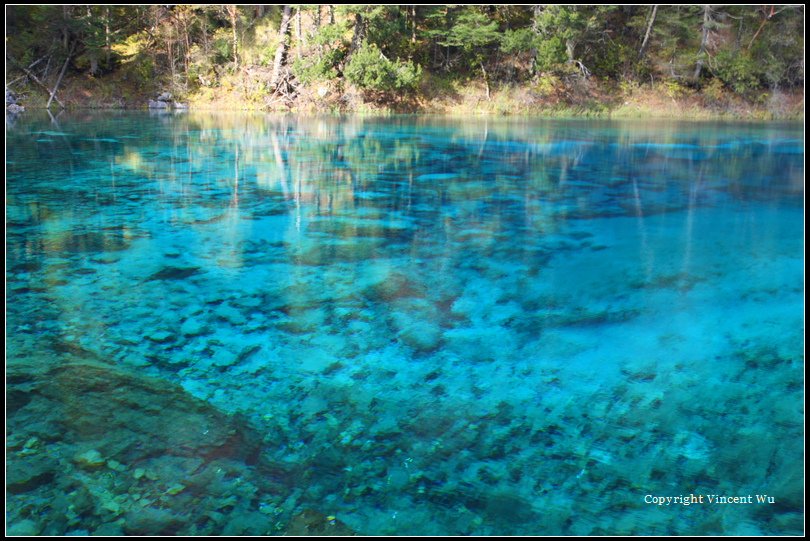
[
  {"x": 647, "y": 34},
  {"x": 281, "y": 52},
  {"x": 704, "y": 40}
]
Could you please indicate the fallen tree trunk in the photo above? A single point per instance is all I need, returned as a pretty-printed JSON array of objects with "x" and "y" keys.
[
  {"x": 40, "y": 83},
  {"x": 59, "y": 80}
]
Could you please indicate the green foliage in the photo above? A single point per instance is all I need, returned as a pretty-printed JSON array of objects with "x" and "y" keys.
[
  {"x": 386, "y": 28},
  {"x": 674, "y": 39},
  {"x": 201, "y": 67},
  {"x": 370, "y": 70},
  {"x": 331, "y": 35},
  {"x": 551, "y": 55},
  {"x": 750, "y": 49},
  {"x": 547, "y": 85},
  {"x": 144, "y": 68},
  {"x": 674, "y": 89},
  {"x": 628, "y": 87},
  {"x": 569, "y": 34},
  {"x": 311, "y": 70},
  {"x": 737, "y": 70},
  {"x": 322, "y": 65},
  {"x": 517, "y": 41},
  {"x": 611, "y": 60},
  {"x": 563, "y": 22},
  {"x": 473, "y": 32},
  {"x": 222, "y": 46},
  {"x": 714, "y": 92}
]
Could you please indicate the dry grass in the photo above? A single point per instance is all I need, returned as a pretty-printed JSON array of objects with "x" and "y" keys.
[{"x": 443, "y": 96}]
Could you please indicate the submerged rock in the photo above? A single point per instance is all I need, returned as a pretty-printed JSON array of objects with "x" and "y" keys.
[
  {"x": 152, "y": 521},
  {"x": 193, "y": 327},
  {"x": 25, "y": 474},
  {"x": 161, "y": 336},
  {"x": 173, "y": 273},
  {"x": 422, "y": 336},
  {"x": 134, "y": 441},
  {"x": 91, "y": 242},
  {"x": 90, "y": 459},
  {"x": 23, "y": 528},
  {"x": 230, "y": 314},
  {"x": 313, "y": 523}
]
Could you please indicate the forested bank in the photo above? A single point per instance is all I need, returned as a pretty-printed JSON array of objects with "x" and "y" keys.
[{"x": 693, "y": 61}]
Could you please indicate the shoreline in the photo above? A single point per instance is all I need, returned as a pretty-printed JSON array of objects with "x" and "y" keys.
[
  {"x": 465, "y": 100},
  {"x": 564, "y": 114}
]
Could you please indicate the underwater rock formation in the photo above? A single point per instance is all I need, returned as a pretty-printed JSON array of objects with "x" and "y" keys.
[{"x": 113, "y": 452}]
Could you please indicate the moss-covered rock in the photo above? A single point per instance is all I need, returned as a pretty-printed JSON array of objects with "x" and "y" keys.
[{"x": 174, "y": 456}]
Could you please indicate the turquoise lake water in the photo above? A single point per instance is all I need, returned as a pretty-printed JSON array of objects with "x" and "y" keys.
[{"x": 410, "y": 325}]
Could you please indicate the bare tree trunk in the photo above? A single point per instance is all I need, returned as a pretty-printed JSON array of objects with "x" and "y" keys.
[
  {"x": 359, "y": 32},
  {"x": 66, "y": 25},
  {"x": 317, "y": 24},
  {"x": 413, "y": 23},
  {"x": 331, "y": 14},
  {"x": 170, "y": 52},
  {"x": 486, "y": 81},
  {"x": 93, "y": 52},
  {"x": 59, "y": 80},
  {"x": 704, "y": 40},
  {"x": 537, "y": 9},
  {"x": 299, "y": 36},
  {"x": 767, "y": 17},
  {"x": 37, "y": 80},
  {"x": 281, "y": 52},
  {"x": 232, "y": 13},
  {"x": 107, "y": 34},
  {"x": 570, "y": 45},
  {"x": 204, "y": 34},
  {"x": 187, "y": 56},
  {"x": 649, "y": 30}
]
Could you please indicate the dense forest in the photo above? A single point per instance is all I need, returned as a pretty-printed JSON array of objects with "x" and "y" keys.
[{"x": 406, "y": 57}]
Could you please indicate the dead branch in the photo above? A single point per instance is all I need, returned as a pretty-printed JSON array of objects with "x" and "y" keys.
[{"x": 59, "y": 80}]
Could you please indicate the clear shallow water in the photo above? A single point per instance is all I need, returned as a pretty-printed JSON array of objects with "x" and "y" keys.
[{"x": 428, "y": 326}]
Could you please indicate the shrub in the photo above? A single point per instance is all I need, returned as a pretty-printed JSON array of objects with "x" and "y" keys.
[
  {"x": 674, "y": 89},
  {"x": 332, "y": 49},
  {"x": 550, "y": 55},
  {"x": 547, "y": 85},
  {"x": 314, "y": 69},
  {"x": 370, "y": 70},
  {"x": 714, "y": 91},
  {"x": 517, "y": 41},
  {"x": 738, "y": 71}
]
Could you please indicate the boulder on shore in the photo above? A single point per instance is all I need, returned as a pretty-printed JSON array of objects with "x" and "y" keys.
[{"x": 165, "y": 101}]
